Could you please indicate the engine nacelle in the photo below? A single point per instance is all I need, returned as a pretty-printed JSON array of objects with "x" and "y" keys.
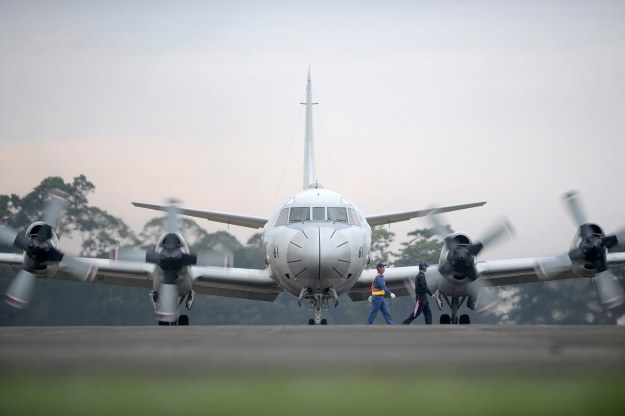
[
  {"x": 456, "y": 260},
  {"x": 48, "y": 268},
  {"x": 586, "y": 248}
]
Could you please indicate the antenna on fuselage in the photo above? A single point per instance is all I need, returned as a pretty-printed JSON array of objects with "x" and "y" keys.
[{"x": 309, "y": 150}]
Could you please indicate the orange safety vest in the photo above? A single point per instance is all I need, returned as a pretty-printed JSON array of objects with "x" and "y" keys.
[{"x": 374, "y": 291}]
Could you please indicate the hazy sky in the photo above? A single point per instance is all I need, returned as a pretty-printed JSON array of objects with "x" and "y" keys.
[{"x": 420, "y": 102}]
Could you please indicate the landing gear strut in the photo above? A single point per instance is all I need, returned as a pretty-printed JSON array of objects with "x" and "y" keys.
[
  {"x": 318, "y": 302},
  {"x": 183, "y": 320},
  {"x": 454, "y": 305}
]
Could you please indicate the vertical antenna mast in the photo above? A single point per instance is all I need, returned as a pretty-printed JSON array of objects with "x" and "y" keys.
[{"x": 309, "y": 151}]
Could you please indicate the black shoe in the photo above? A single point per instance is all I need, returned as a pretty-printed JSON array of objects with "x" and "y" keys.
[{"x": 406, "y": 322}]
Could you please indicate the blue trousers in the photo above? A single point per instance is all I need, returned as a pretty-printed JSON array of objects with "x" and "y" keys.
[{"x": 379, "y": 304}]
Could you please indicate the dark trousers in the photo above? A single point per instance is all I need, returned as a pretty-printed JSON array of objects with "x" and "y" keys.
[{"x": 422, "y": 306}]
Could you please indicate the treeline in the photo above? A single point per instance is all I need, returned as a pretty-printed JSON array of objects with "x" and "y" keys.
[{"x": 75, "y": 303}]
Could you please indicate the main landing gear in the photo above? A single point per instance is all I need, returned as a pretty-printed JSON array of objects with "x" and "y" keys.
[
  {"x": 454, "y": 305},
  {"x": 318, "y": 302},
  {"x": 183, "y": 320}
]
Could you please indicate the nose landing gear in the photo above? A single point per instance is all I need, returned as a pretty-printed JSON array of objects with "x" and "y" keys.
[{"x": 318, "y": 302}]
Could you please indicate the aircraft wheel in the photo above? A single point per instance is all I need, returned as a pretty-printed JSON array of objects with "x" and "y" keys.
[
  {"x": 445, "y": 319},
  {"x": 464, "y": 319},
  {"x": 311, "y": 322},
  {"x": 163, "y": 323},
  {"x": 183, "y": 320},
  {"x": 324, "y": 322}
]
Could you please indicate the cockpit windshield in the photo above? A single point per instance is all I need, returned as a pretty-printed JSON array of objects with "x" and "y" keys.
[
  {"x": 304, "y": 214},
  {"x": 338, "y": 214}
]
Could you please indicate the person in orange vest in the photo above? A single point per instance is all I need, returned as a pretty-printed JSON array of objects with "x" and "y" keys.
[{"x": 378, "y": 290}]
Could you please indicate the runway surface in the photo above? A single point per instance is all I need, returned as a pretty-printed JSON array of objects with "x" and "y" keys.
[{"x": 536, "y": 350}]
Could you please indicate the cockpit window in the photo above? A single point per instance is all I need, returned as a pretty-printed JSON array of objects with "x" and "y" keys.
[
  {"x": 319, "y": 213},
  {"x": 354, "y": 219},
  {"x": 338, "y": 214},
  {"x": 283, "y": 217},
  {"x": 299, "y": 214}
]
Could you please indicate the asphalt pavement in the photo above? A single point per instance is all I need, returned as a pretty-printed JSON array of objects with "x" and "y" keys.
[{"x": 537, "y": 350}]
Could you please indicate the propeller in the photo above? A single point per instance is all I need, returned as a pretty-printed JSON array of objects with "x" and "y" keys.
[
  {"x": 592, "y": 251},
  {"x": 40, "y": 250},
  {"x": 171, "y": 256},
  {"x": 461, "y": 258},
  {"x": 461, "y": 252}
]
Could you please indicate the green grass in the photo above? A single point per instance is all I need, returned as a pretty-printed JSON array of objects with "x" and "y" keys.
[{"x": 302, "y": 395}]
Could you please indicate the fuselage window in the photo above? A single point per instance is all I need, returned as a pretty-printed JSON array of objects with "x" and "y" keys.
[
  {"x": 337, "y": 214},
  {"x": 299, "y": 214},
  {"x": 283, "y": 217},
  {"x": 319, "y": 213},
  {"x": 353, "y": 217}
]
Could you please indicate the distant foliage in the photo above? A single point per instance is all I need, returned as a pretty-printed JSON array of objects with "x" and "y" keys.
[{"x": 74, "y": 303}]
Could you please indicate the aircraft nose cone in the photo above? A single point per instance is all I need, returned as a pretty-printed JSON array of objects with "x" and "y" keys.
[{"x": 318, "y": 256}]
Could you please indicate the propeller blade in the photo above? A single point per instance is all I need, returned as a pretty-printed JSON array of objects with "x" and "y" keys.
[
  {"x": 572, "y": 201},
  {"x": 501, "y": 229},
  {"x": 549, "y": 267},
  {"x": 439, "y": 228},
  {"x": 609, "y": 290},
  {"x": 151, "y": 256},
  {"x": 620, "y": 237},
  {"x": 167, "y": 303},
  {"x": 57, "y": 202},
  {"x": 7, "y": 236},
  {"x": 82, "y": 270},
  {"x": 20, "y": 290},
  {"x": 189, "y": 259},
  {"x": 171, "y": 222},
  {"x": 486, "y": 301}
]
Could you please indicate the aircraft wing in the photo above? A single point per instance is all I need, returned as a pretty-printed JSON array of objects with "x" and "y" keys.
[
  {"x": 12, "y": 259},
  {"x": 236, "y": 283},
  {"x": 389, "y": 218},
  {"x": 226, "y": 218},
  {"x": 219, "y": 281},
  {"x": 495, "y": 272}
]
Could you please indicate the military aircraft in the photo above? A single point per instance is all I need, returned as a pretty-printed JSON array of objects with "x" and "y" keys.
[{"x": 317, "y": 245}]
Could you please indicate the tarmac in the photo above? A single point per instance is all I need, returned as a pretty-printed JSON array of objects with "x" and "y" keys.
[{"x": 475, "y": 349}]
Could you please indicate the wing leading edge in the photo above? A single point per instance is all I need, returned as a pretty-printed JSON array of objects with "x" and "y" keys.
[
  {"x": 389, "y": 218},
  {"x": 218, "y": 281},
  {"x": 223, "y": 217}
]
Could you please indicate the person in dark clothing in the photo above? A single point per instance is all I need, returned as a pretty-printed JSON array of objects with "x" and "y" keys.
[{"x": 422, "y": 304}]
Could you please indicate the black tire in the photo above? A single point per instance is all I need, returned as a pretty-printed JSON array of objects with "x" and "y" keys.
[
  {"x": 183, "y": 320},
  {"x": 311, "y": 322},
  {"x": 445, "y": 319},
  {"x": 464, "y": 319},
  {"x": 324, "y": 322},
  {"x": 163, "y": 323}
]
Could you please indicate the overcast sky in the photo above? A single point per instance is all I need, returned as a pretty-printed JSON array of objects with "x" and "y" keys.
[{"x": 420, "y": 103}]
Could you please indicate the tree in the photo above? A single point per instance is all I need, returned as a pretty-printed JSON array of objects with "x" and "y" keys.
[
  {"x": 381, "y": 240},
  {"x": 96, "y": 228},
  {"x": 193, "y": 234},
  {"x": 424, "y": 246}
]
